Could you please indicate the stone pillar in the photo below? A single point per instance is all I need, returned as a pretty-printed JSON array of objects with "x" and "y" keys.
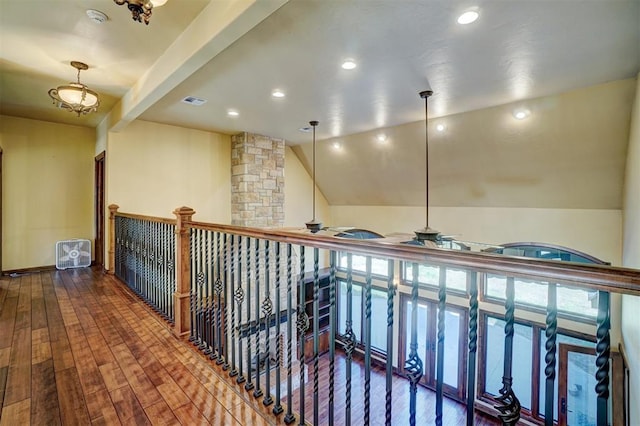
[{"x": 257, "y": 181}]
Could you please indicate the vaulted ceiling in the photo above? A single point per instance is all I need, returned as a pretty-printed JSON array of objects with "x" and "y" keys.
[{"x": 553, "y": 58}]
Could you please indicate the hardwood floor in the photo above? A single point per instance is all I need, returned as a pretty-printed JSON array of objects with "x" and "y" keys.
[{"x": 76, "y": 347}]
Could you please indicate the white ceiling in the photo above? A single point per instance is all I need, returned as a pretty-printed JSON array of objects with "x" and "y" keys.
[{"x": 516, "y": 51}]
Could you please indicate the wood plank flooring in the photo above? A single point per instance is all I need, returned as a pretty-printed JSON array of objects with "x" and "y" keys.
[{"x": 77, "y": 347}]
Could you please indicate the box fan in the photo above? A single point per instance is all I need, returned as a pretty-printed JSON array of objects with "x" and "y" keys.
[{"x": 73, "y": 254}]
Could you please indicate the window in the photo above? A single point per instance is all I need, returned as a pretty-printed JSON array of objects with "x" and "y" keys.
[
  {"x": 378, "y": 314},
  {"x": 571, "y": 301},
  {"x": 430, "y": 276},
  {"x": 379, "y": 267}
]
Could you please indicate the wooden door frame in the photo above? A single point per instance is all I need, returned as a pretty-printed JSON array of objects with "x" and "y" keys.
[{"x": 99, "y": 208}]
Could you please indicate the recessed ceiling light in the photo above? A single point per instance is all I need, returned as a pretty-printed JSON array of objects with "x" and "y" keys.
[
  {"x": 337, "y": 145},
  {"x": 233, "y": 113},
  {"x": 468, "y": 17},
  {"x": 381, "y": 137},
  {"x": 349, "y": 64},
  {"x": 521, "y": 114},
  {"x": 277, "y": 93},
  {"x": 441, "y": 127}
]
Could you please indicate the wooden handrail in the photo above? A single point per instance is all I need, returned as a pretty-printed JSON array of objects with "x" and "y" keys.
[
  {"x": 148, "y": 218},
  {"x": 595, "y": 277}
]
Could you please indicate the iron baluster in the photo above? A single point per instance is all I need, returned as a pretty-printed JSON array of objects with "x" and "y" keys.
[
  {"x": 193, "y": 295},
  {"x": 508, "y": 403},
  {"x": 249, "y": 384},
  {"x": 550, "y": 331},
  {"x": 316, "y": 336},
  {"x": 391, "y": 291},
  {"x": 267, "y": 310},
  {"x": 208, "y": 320},
  {"x": 202, "y": 279},
  {"x": 239, "y": 297},
  {"x": 367, "y": 343},
  {"x": 218, "y": 289},
  {"x": 332, "y": 333},
  {"x": 413, "y": 365},
  {"x": 257, "y": 392},
  {"x": 473, "y": 345},
  {"x": 442, "y": 306},
  {"x": 289, "y": 417},
  {"x": 232, "y": 277},
  {"x": 277, "y": 409},
  {"x": 225, "y": 304},
  {"x": 603, "y": 346},
  {"x": 349, "y": 338},
  {"x": 302, "y": 325}
]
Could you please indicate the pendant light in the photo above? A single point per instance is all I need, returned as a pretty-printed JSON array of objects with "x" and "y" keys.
[
  {"x": 427, "y": 234},
  {"x": 313, "y": 225},
  {"x": 76, "y": 97}
]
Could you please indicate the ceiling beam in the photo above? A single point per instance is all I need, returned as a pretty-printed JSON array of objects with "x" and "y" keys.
[{"x": 218, "y": 26}]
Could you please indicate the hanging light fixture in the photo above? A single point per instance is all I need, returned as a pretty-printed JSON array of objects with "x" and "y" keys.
[
  {"x": 76, "y": 97},
  {"x": 141, "y": 9},
  {"x": 427, "y": 234},
  {"x": 313, "y": 225}
]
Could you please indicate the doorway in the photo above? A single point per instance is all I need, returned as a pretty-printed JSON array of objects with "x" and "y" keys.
[{"x": 99, "y": 209}]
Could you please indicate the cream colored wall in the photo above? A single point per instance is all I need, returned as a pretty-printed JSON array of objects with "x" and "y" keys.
[
  {"x": 631, "y": 256},
  {"x": 596, "y": 232},
  {"x": 47, "y": 189},
  {"x": 154, "y": 168},
  {"x": 297, "y": 195}
]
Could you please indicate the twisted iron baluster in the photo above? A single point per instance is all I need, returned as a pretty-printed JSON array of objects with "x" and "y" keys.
[
  {"x": 171, "y": 276},
  {"x": 202, "y": 279},
  {"x": 442, "y": 300},
  {"x": 367, "y": 343},
  {"x": 473, "y": 345},
  {"x": 249, "y": 385},
  {"x": 225, "y": 305},
  {"x": 391, "y": 291},
  {"x": 413, "y": 365},
  {"x": 349, "y": 338},
  {"x": 302, "y": 323},
  {"x": 332, "y": 333},
  {"x": 232, "y": 262},
  {"x": 289, "y": 417},
  {"x": 509, "y": 405},
  {"x": 267, "y": 310},
  {"x": 550, "y": 356},
  {"x": 277, "y": 409},
  {"x": 316, "y": 336},
  {"x": 603, "y": 346},
  {"x": 218, "y": 289},
  {"x": 257, "y": 391},
  {"x": 208, "y": 317},
  {"x": 239, "y": 297},
  {"x": 193, "y": 294}
]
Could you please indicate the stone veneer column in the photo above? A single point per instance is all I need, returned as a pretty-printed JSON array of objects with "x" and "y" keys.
[{"x": 257, "y": 180}]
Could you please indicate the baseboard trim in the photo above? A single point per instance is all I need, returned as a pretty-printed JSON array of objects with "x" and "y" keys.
[{"x": 25, "y": 271}]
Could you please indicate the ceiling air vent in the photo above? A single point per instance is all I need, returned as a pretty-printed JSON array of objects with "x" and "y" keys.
[{"x": 192, "y": 100}]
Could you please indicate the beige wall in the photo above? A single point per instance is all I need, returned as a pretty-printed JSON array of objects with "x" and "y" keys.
[
  {"x": 631, "y": 256},
  {"x": 154, "y": 168},
  {"x": 596, "y": 232},
  {"x": 47, "y": 189},
  {"x": 297, "y": 195}
]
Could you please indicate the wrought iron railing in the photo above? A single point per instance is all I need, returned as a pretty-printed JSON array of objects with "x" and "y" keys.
[
  {"x": 144, "y": 259},
  {"x": 253, "y": 300}
]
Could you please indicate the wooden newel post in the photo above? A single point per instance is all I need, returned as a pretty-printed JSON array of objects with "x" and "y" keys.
[
  {"x": 113, "y": 209},
  {"x": 181, "y": 297}
]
